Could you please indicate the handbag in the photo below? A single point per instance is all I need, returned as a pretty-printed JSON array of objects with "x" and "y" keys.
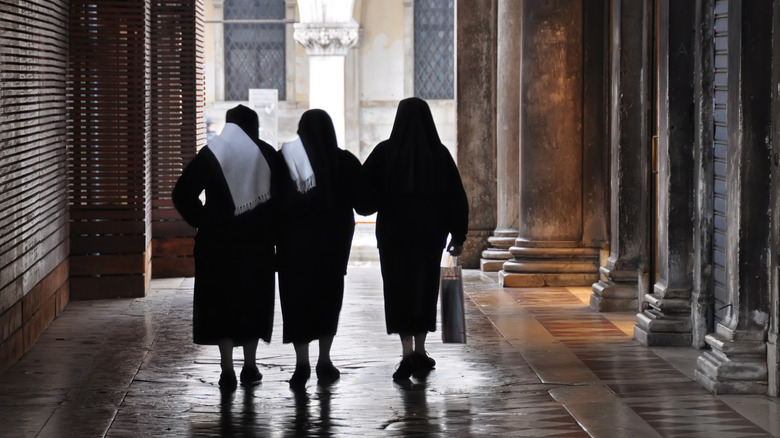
[{"x": 453, "y": 315}]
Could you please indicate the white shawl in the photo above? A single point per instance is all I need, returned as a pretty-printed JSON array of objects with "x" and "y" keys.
[
  {"x": 244, "y": 167},
  {"x": 299, "y": 165}
]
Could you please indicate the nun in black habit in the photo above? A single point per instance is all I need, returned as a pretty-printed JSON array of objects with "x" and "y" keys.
[
  {"x": 415, "y": 188},
  {"x": 318, "y": 224},
  {"x": 234, "y": 245}
]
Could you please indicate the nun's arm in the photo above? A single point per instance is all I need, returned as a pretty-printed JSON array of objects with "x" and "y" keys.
[
  {"x": 186, "y": 192},
  {"x": 367, "y": 188}
]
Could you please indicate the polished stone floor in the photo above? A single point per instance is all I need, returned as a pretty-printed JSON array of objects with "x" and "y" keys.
[{"x": 537, "y": 363}]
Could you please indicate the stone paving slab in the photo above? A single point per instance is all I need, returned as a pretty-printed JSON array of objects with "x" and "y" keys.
[{"x": 128, "y": 368}]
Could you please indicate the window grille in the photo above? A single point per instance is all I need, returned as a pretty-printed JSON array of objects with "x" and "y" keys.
[
  {"x": 434, "y": 70},
  {"x": 254, "y": 52}
]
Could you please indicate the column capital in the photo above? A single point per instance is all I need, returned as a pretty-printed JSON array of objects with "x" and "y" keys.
[{"x": 327, "y": 38}]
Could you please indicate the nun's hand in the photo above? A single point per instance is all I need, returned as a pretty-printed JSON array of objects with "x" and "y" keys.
[{"x": 455, "y": 250}]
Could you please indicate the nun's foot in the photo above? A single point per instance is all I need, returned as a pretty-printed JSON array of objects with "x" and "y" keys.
[
  {"x": 423, "y": 362},
  {"x": 300, "y": 377},
  {"x": 250, "y": 376},
  {"x": 327, "y": 373},
  {"x": 227, "y": 381},
  {"x": 405, "y": 369}
]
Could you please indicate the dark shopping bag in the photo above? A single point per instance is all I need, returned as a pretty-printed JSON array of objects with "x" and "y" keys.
[{"x": 453, "y": 315}]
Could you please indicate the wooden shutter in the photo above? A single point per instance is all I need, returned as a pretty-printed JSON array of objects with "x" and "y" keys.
[
  {"x": 178, "y": 125},
  {"x": 33, "y": 171},
  {"x": 109, "y": 154}
]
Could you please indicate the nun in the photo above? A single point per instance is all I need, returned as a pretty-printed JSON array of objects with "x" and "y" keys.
[
  {"x": 318, "y": 224},
  {"x": 414, "y": 187},
  {"x": 233, "y": 303}
]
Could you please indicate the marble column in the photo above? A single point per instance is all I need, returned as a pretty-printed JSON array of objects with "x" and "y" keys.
[
  {"x": 737, "y": 359},
  {"x": 507, "y": 137},
  {"x": 476, "y": 111},
  {"x": 549, "y": 249},
  {"x": 667, "y": 317},
  {"x": 624, "y": 273},
  {"x": 219, "y": 50},
  {"x": 327, "y": 31}
]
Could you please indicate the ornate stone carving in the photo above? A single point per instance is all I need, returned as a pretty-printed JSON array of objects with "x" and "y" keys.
[{"x": 327, "y": 38}]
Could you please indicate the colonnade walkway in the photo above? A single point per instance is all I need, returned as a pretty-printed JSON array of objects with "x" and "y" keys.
[{"x": 537, "y": 363}]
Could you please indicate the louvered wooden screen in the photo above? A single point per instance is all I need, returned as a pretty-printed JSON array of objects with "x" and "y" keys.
[
  {"x": 33, "y": 171},
  {"x": 178, "y": 125},
  {"x": 109, "y": 153}
]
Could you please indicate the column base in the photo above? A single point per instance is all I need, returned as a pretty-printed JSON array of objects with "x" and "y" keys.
[
  {"x": 541, "y": 263},
  {"x": 494, "y": 257},
  {"x": 508, "y": 279},
  {"x": 656, "y": 329},
  {"x": 667, "y": 319},
  {"x": 617, "y": 291},
  {"x": 736, "y": 364}
]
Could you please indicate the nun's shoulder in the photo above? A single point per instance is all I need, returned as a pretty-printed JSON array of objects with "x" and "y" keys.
[
  {"x": 348, "y": 157},
  {"x": 379, "y": 150}
]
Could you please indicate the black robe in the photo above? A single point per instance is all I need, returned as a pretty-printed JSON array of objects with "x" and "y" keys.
[
  {"x": 234, "y": 255},
  {"x": 413, "y": 184},
  {"x": 316, "y": 237}
]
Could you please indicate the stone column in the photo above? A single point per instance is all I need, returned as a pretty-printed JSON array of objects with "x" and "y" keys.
[
  {"x": 667, "y": 318},
  {"x": 548, "y": 249},
  {"x": 290, "y": 13},
  {"x": 773, "y": 335},
  {"x": 620, "y": 285},
  {"x": 476, "y": 110},
  {"x": 737, "y": 360},
  {"x": 219, "y": 50},
  {"x": 327, "y": 31},
  {"x": 507, "y": 137}
]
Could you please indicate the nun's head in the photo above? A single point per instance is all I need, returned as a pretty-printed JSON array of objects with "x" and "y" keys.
[{"x": 246, "y": 119}]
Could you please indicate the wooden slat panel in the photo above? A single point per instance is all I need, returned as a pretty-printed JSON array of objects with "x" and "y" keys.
[
  {"x": 109, "y": 132},
  {"x": 178, "y": 124},
  {"x": 33, "y": 170},
  {"x": 33, "y": 161}
]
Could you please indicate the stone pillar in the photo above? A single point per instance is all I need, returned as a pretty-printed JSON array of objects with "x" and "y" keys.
[
  {"x": 737, "y": 360},
  {"x": 408, "y": 48},
  {"x": 621, "y": 280},
  {"x": 549, "y": 249},
  {"x": 667, "y": 318},
  {"x": 704, "y": 54},
  {"x": 219, "y": 50},
  {"x": 773, "y": 343},
  {"x": 290, "y": 13},
  {"x": 327, "y": 31},
  {"x": 476, "y": 111},
  {"x": 507, "y": 137}
]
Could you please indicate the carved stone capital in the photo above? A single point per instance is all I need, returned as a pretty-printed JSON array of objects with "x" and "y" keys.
[{"x": 327, "y": 38}]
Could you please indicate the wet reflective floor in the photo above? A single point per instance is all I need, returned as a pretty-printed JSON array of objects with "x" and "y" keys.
[{"x": 537, "y": 363}]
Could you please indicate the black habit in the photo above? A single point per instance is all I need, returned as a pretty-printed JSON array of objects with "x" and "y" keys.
[
  {"x": 234, "y": 254},
  {"x": 413, "y": 184},
  {"x": 317, "y": 229}
]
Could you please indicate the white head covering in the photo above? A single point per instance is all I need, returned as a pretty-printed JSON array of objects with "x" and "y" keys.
[
  {"x": 299, "y": 165},
  {"x": 244, "y": 166}
]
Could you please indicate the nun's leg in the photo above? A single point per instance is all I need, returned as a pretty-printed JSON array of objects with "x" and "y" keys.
[
  {"x": 302, "y": 366},
  {"x": 326, "y": 372}
]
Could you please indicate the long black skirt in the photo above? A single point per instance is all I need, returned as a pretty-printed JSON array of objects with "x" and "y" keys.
[
  {"x": 234, "y": 295},
  {"x": 411, "y": 289},
  {"x": 311, "y": 304}
]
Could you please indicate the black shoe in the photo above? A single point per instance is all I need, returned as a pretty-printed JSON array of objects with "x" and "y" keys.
[
  {"x": 327, "y": 373},
  {"x": 423, "y": 362},
  {"x": 299, "y": 377},
  {"x": 405, "y": 369},
  {"x": 250, "y": 376},
  {"x": 227, "y": 381}
]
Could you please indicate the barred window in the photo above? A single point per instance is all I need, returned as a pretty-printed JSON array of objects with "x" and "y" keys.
[
  {"x": 434, "y": 70},
  {"x": 254, "y": 52}
]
